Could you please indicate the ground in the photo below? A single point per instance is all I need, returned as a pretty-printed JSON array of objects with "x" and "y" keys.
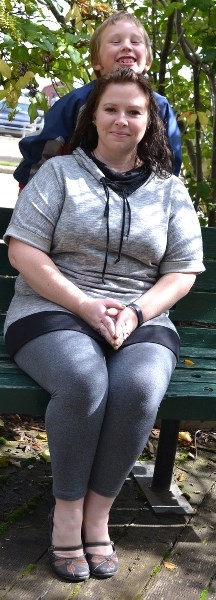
[{"x": 25, "y": 470}]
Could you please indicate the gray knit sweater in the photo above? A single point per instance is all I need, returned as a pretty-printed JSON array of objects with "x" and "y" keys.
[{"x": 61, "y": 212}]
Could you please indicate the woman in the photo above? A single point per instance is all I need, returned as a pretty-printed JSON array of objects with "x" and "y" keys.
[{"x": 106, "y": 241}]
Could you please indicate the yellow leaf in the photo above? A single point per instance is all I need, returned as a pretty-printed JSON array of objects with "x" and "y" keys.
[
  {"x": 24, "y": 80},
  {"x": 169, "y": 565},
  {"x": 5, "y": 70},
  {"x": 2, "y": 94},
  {"x": 192, "y": 118},
  {"x": 185, "y": 436},
  {"x": 89, "y": 28},
  {"x": 69, "y": 15},
  {"x": 203, "y": 118},
  {"x": 1, "y": 423},
  {"x": 42, "y": 436},
  {"x": 189, "y": 362},
  {"x": 181, "y": 477}
]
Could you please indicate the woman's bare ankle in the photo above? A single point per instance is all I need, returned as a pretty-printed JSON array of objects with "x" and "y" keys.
[
  {"x": 67, "y": 523},
  {"x": 95, "y": 523}
]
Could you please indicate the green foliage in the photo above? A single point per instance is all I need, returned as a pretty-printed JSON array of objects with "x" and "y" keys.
[
  {"x": 48, "y": 39},
  {"x": 204, "y": 594},
  {"x": 28, "y": 570},
  {"x": 3, "y": 441}
]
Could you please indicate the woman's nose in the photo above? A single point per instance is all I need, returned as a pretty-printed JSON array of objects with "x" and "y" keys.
[{"x": 121, "y": 120}]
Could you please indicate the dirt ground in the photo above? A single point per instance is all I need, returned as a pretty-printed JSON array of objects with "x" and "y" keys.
[
  {"x": 162, "y": 557},
  {"x": 25, "y": 470}
]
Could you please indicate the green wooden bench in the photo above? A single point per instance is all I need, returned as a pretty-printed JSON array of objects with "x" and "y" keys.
[{"x": 192, "y": 391}]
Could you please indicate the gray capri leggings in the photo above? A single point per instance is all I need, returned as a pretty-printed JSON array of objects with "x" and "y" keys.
[{"x": 102, "y": 409}]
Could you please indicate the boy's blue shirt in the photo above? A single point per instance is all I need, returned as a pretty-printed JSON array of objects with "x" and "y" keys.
[{"x": 60, "y": 122}]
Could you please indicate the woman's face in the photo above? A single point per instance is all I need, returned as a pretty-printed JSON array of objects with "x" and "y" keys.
[{"x": 121, "y": 117}]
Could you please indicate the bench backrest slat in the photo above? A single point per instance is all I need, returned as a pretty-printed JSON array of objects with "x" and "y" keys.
[{"x": 198, "y": 306}]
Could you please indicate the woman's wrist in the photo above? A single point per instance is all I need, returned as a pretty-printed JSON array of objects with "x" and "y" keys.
[{"x": 136, "y": 308}]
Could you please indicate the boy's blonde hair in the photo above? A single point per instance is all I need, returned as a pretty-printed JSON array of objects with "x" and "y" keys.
[{"x": 122, "y": 15}]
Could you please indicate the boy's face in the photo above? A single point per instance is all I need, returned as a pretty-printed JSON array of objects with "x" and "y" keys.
[{"x": 122, "y": 45}]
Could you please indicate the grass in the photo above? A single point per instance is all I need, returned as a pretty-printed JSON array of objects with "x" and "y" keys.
[
  {"x": 6, "y": 163},
  {"x": 18, "y": 513}
]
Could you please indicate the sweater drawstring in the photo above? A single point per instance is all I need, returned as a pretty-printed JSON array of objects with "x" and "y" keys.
[
  {"x": 126, "y": 205},
  {"x": 106, "y": 215}
]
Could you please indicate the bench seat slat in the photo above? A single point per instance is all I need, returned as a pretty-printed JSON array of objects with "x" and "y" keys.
[
  {"x": 192, "y": 400},
  {"x": 189, "y": 406},
  {"x": 193, "y": 352},
  {"x": 207, "y": 376},
  {"x": 200, "y": 363},
  {"x": 201, "y": 336}
]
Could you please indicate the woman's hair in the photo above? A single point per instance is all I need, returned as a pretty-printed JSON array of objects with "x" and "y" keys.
[
  {"x": 122, "y": 15},
  {"x": 153, "y": 149}
]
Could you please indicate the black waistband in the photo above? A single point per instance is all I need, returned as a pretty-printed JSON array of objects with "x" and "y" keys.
[{"x": 28, "y": 328}]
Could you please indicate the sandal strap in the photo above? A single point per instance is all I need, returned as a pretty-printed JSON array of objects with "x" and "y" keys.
[
  {"x": 94, "y": 544},
  {"x": 65, "y": 548}
]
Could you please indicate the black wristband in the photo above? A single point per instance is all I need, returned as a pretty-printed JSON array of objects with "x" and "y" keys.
[{"x": 138, "y": 312}]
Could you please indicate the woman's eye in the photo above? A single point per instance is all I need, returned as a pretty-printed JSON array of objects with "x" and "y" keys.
[
  {"x": 134, "y": 112},
  {"x": 110, "y": 109}
]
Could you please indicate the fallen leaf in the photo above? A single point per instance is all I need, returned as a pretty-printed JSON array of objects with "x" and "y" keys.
[
  {"x": 189, "y": 362},
  {"x": 169, "y": 565},
  {"x": 1, "y": 423},
  {"x": 185, "y": 436},
  {"x": 42, "y": 436},
  {"x": 45, "y": 455},
  {"x": 181, "y": 477}
]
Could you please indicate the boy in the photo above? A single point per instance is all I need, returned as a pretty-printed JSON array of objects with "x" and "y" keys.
[{"x": 121, "y": 40}]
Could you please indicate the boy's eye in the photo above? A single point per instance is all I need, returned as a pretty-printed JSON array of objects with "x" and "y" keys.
[{"x": 122, "y": 41}]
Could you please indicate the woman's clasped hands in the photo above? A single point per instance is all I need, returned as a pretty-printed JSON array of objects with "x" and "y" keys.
[{"x": 113, "y": 320}]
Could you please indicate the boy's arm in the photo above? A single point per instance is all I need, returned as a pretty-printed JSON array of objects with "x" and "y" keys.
[
  {"x": 59, "y": 124},
  {"x": 172, "y": 130}
]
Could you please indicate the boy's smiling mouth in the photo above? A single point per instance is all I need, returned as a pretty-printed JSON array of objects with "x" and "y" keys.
[{"x": 126, "y": 60}]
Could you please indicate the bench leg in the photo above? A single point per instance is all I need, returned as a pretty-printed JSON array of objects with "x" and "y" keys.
[{"x": 162, "y": 493}]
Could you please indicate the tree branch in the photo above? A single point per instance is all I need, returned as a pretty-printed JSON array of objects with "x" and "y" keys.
[
  {"x": 59, "y": 18},
  {"x": 165, "y": 52},
  {"x": 190, "y": 54}
]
